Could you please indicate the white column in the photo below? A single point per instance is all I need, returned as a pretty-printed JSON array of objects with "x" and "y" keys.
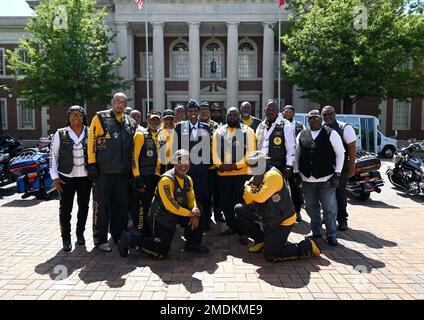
[
  {"x": 122, "y": 46},
  {"x": 158, "y": 67},
  {"x": 131, "y": 93},
  {"x": 268, "y": 64},
  {"x": 232, "y": 64},
  {"x": 194, "y": 61}
]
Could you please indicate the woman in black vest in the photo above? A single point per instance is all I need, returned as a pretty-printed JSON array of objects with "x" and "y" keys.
[{"x": 69, "y": 173}]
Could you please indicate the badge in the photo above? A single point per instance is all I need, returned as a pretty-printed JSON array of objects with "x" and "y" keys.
[
  {"x": 276, "y": 198},
  {"x": 149, "y": 153},
  {"x": 178, "y": 189},
  {"x": 277, "y": 141},
  {"x": 107, "y": 136},
  {"x": 115, "y": 135}
]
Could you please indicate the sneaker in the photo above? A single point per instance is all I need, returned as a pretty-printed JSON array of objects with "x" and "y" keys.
[
  {"x": 80, "y": 240},
  {"x": 343, "y": 226},
  {"x": 196, "y": 249},
  {"x": 257, "y": 247},
  {"x": 316, "y": 250},
  {"x": 244, "y": 240},
  {"x": 104, "y": 247},
  {"x": 67, "y": 246},
  {"x": 332, "y": 241}
]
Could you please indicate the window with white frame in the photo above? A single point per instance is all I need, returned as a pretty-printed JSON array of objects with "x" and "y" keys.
[
  {"x": 3, "y": 111},
  {"x": 247, "y": 64},
  {"x": 26, "y": 115},
  {"x": 213, "y": 51},
  {"x": 401, "y": 115},
  {"x": 2, "y": 62},
  {"x": 23, "y": 56},
  {"x": 180, "y": 61},
  {"x": 143, "y": 71}
]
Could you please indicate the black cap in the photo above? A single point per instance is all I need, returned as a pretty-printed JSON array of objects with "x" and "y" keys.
[
  {"x": 154, "y": 114},
  {"x": 288, "y": 106},
  {"x": 205, "y": 104},
  {"x": 193, "y": 104},
  {"x": 314, "y": 113},
  {"x": 168, "y": 113},
  {"x": 216, "y": 106}
]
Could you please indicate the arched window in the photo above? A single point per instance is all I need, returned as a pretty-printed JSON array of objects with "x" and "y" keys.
[
  {"x": 247, "y": 64},
  {"x": 213, "y": 50},
  {"x": 180, "y": 60}
]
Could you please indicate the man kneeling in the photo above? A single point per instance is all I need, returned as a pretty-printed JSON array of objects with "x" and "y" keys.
[
  {"x": 268, "y": 214},
  {"x": 174, "y": 203}
]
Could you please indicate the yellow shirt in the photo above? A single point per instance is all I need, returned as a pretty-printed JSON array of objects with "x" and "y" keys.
[
  {"x": 272, "y": 183},
  {"x": 96, "y": 130},
  {"x": 241, "y": 165},
  {"x": 248, "y": 122},
  {"x": 166, "y": 191},
  {"x": 138, "y": 145},
  {"x": 169, "y": 136}
]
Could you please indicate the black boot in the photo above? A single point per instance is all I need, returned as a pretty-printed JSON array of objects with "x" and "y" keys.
[
  {"x": 124, "y": 243},
  {"x": 67, "y": 246},
  {"x": 80, "y": 240}
]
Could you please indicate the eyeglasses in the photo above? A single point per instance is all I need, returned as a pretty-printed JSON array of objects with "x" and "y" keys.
[{"x": 121, "y": 101}]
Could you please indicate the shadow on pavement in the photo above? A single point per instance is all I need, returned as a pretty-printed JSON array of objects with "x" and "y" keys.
[
  {"x": 7, "y": 192},
  {"x": 96, "y": 266},
  {"x": 371, "y": 203}
]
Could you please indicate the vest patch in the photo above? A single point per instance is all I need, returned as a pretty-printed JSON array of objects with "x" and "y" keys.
[{"x": 276, "y": 198}]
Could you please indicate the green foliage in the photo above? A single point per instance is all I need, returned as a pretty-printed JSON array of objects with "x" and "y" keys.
[
  {"x": 68, "y": 59},
  {"x": 338, "y": 50}
]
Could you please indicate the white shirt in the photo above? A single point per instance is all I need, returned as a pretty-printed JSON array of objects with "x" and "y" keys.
[
  {"x": 290, "y": 141},
  {"x": 339, "y": 150},
  {"x": 194, "y": 128},
  {"x": 79, "y": 169},
  {"x": 349, "y": 134}
]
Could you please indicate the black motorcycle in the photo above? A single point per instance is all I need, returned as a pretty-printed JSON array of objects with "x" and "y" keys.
[
  {"x": 9, "y": 147},
  {"x": 367, "y": 178},
  {"x": 408, "y": 173}
]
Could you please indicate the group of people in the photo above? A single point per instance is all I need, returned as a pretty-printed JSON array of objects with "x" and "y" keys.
[{"x": 198, "y": 164}]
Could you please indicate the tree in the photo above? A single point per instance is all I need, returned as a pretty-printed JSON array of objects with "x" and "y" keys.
[
  {"x": 352, "y": 49},
  {"x": 67, "y": 59}
]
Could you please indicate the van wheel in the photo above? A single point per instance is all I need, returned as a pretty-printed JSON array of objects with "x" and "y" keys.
[{"x": 388, "y": 152}]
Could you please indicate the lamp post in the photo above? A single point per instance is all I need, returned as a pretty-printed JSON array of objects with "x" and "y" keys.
[{"x": 10, "y": 95}]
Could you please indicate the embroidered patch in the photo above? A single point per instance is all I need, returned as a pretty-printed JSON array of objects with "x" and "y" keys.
[
  {"x": 115, "y": 135},
  {"x": 149, "y": 153},
  {"x": 276, "y": 198},
  {"x": 277, "y": 141}
]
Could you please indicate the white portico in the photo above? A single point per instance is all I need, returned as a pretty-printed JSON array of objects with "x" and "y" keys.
[{"x": 185, "y": 37}]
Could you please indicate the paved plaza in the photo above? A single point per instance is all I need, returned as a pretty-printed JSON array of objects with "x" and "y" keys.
[{"x": 380, "y": 257}]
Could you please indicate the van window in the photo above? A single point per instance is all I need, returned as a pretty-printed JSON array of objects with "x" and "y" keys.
[
  {"x": 354, "y": 122},
  {"x": 340, "y": 118},
  {"x": 378, "y": 138},
  {"x": 301, "y": 119}
]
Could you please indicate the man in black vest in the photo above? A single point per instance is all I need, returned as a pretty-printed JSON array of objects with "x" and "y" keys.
[
  {"x": 194, "y": 136},
  {"x": 268, "y": 204},
  {"x": 69, "y": 173},
  {"x": 174, "y": 203},
  {"x": 295, "y": 190},
  {"x": 276, "y": 140},
  {"x": 110, "y": 144},
  {"x": 348, "y": 136},
  {"x": 318, "y": 163},
  {"x": 145, "y": 157}
]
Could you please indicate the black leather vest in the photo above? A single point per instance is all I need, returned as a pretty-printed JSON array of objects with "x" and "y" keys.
[
  {"x": 114, "y": 153},
  {"x": 317, "y": 157},
  {"x": 339, "y": 127},
  {"x": 276, "y": 147},
  {"x": 66, "y": 148},
  {"x": 148, "y": 156},
  {"x": 157, "y": 210}
]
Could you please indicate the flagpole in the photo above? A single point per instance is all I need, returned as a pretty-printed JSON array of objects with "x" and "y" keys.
[
  {"x": 279, "y": 57},
  {"x": 147, "y": 56}
]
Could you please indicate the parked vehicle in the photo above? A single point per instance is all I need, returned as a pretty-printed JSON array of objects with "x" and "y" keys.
[
  {"x": 32, "y": 170},
  {"x": 367, "y": 178},
  {"x": 368, "y": 137},
  {"x": 408, "y": 171},
  {"x": 9, "y": 148}
]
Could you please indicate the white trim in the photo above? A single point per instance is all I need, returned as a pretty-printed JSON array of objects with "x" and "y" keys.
[
  {"x": 171, "y": 52},
  {"x": 409, "y": 116},
  {"x": 4, "y": 114},
  {"x": 3, "y": 62},
  {"x": 254, "y": 53},
  {"x": 18, "y": 115}
]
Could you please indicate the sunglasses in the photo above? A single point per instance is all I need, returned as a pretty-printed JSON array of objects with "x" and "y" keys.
[{"x": 327, "y": 114}]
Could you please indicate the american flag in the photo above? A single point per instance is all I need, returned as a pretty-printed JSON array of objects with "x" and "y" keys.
[{"x": 139, "y": 4}]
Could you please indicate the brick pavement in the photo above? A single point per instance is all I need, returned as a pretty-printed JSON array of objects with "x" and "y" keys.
[{"x": 380, "y": 257}]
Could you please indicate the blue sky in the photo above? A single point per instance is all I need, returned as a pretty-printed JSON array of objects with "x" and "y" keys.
[{"x": 14, "y": 8}]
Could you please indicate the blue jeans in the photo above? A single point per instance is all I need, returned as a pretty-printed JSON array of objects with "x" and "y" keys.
[{"x": 316, "y": 194}]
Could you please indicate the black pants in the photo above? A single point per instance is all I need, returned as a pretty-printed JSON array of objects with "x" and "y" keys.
[
  {"x": 276, "y": 247},
  {"x": 81, "y": 186},
  {"x": 213, "y": 198},
  {"x": 159, "y": 243},
  {"x": 341, "y": 198},
  {"x": 133, "y": 206},
  {"x": 110, "y": 206},
  {"x": 231, "y": 190},
  {"x": 296, "y": 194},
  {"x": 144, "y": 202}
]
